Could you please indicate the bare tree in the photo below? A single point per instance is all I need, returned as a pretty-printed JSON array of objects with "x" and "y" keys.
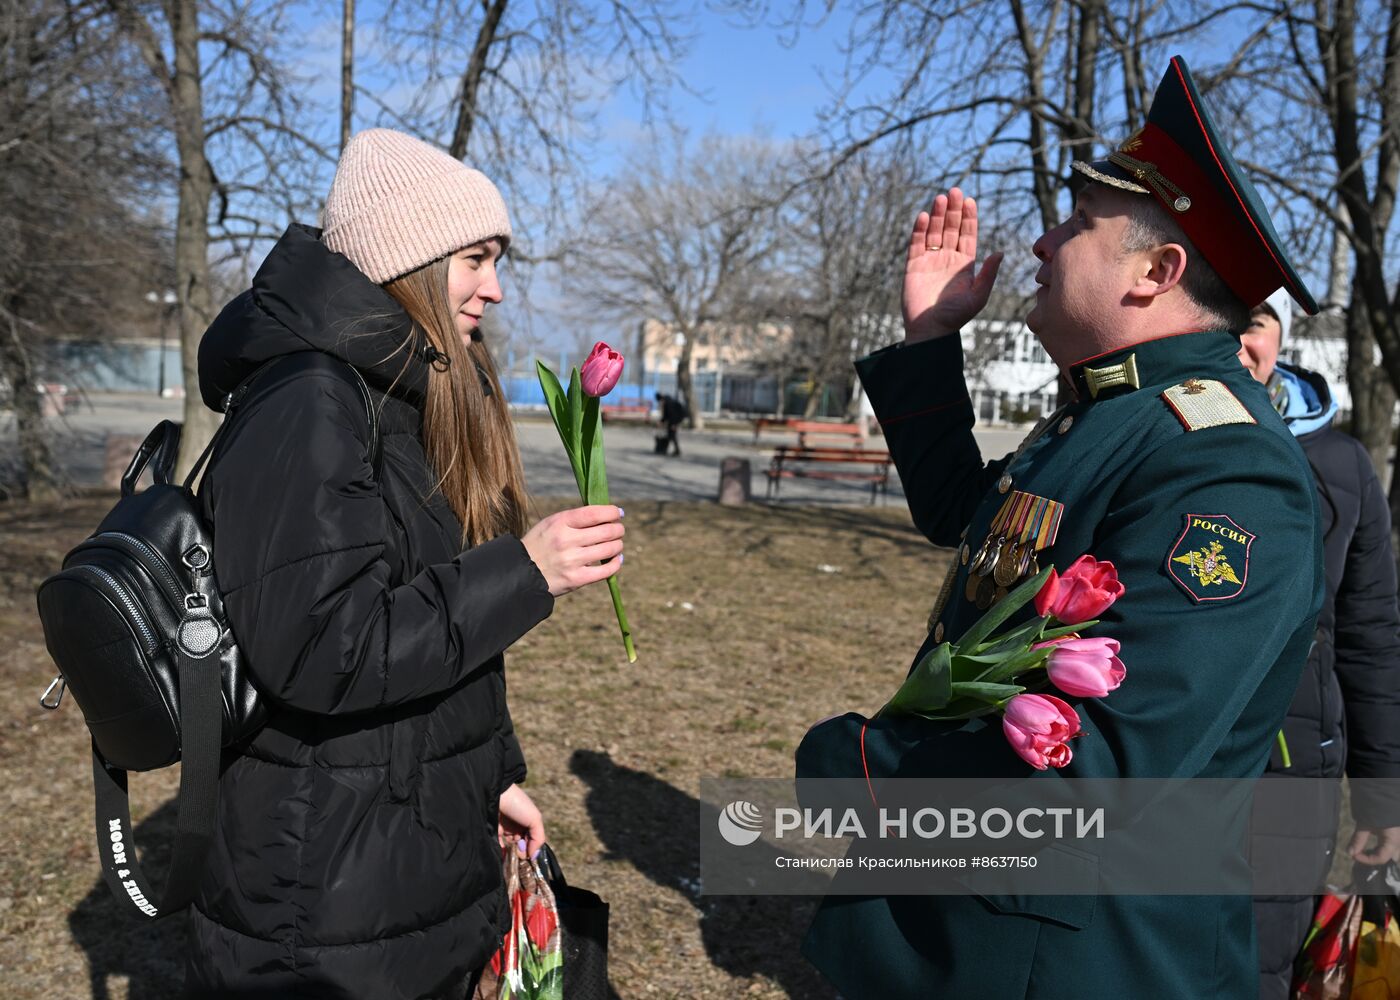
[
  {"x": 682, "y": 239},
  {"x": 845, "y": 259},
  {"x": 347, "y": 71},
  {"x": 1332, "y": 73},
  {"x": 239, "y": 111},
  {"x": 76, "y": 256},
  {"x": 514, "y": 88},
  {"x": 1002, "y": 95}
]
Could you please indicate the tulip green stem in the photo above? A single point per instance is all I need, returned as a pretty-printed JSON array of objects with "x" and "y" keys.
[
  {"x": 1283, "y": 749},
  {"x": 622, "y": 619}
]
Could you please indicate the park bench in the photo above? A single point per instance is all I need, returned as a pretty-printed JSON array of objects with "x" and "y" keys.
[
  {"x": 800, "y": 462},
  {"x": 624, "y": 411},
  {"x": 805, "y": 429}
]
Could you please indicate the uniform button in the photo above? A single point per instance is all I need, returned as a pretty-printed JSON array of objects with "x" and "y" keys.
[
  {"x": 938, "y": 632},
  {"x": 1066, "y": 424},
  {"x": 966, "y": 554},
  {"x": 1004, "y": 483}
]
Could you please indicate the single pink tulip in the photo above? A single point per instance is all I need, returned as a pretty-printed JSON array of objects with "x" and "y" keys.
[
  {"x": 1084, "y": 668},
  {"x": 1038, "y": 727},
  {"x": 1086, "y": 590},
  {"x": 601, "y": 371}
]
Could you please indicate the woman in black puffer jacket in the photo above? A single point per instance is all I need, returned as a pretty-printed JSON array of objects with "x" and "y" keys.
[{"x": 357, "y": 851}]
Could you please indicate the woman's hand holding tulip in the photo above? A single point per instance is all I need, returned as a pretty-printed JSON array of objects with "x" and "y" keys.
[{"x": 576, "y": 547}]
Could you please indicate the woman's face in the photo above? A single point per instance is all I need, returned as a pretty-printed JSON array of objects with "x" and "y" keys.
[{"x": 471, "y": 283}]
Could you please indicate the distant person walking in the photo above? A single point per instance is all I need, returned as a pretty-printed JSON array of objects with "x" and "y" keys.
[{"x": 673, "y": 414}]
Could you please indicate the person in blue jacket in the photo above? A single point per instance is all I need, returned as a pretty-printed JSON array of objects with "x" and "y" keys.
[
  {"x": 1345, "y": 715},
  {"x": 1168, "y": 451}
]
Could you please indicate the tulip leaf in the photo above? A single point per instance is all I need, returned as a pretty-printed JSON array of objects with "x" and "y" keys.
[
  {"x": 1056, "y": 633},
  {"x": 1017, "y": 639},
  {"x": 969, "y": 668},
  {"x": 1002, "y": 611},
  {"x": 983, "y": 691},
  {"x": 576, "y": 452},
  {"x": 595, "y": 468},
  {"x": 928, "y": 686},
  {"x": 557, "y": 402},
  {"x": 1013, "y": 665}
]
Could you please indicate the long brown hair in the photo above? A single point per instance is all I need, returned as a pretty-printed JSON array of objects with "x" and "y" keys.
[{"x": 468, "y": 436}]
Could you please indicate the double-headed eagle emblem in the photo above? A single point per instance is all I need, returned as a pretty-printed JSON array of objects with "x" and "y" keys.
[{"x": 1208, "y": 565}]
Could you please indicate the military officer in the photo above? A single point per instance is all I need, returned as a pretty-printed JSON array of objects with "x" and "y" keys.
[{"x": 1170, "y": 463}]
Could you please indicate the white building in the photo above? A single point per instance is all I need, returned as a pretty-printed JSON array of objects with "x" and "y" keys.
[{"x": 1013, "y": 381}]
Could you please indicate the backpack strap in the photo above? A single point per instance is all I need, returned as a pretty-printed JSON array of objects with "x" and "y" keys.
[
  {"x": 201, "y": 732},
  {"x": 288, "y": 367}
]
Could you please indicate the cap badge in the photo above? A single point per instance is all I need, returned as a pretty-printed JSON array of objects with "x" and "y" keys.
[{"x": 1148, "y": 174}]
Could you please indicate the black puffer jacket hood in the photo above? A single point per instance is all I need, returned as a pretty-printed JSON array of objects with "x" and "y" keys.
[
  {"x": 308, "y": 298},
  {"x": 355, "y": 852}
]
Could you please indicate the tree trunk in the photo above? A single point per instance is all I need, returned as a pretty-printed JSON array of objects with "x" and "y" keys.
[
  {"x": 191, "y": 228},
  {"x": 1044, "y": 182},
  {"x": 347, "y": 72},
  {"x": 1372, "y": 395},
  {"x": 1339, "y": 269},
  {"x": 470, "y": 87},
  {"x": 38, "y": 480},
  {"x": 814, "y": 399},
  {"x": 685, "y": 384}
]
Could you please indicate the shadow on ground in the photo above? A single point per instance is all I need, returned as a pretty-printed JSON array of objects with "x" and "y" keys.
[
  {"x": 654, "y": 826},
  {"x": 150, "y": 955}
]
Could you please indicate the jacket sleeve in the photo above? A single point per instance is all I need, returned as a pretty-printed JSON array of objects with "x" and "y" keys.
[
  {"x": 300, "y": 533},
  {"x": 1199, "y": 676},
  {"x": 513, "y": 769},
  {"x": 920, "y": 398},
  {"x": 1368, "y": 655}
]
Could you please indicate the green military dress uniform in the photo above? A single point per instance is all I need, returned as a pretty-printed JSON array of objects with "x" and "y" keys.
[
  {"x": 1171, "y": 464},
  {"x": 1211, "y": 666}
]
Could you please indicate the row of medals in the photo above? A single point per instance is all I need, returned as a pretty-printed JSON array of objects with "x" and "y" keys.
[{"x": 999, "y": 565}]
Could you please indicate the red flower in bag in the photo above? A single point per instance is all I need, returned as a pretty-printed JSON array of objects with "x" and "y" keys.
[{"x": 540, "y": 924}]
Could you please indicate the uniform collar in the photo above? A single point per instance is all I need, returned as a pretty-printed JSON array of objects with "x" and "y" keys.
[{"x": 1160, "y": 361}]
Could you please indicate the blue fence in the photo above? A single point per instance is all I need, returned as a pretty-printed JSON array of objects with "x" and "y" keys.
[{"x": 136, "y": 366}]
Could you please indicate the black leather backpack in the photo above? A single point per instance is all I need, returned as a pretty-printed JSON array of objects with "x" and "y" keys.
[{"x": 135, "y": 623}]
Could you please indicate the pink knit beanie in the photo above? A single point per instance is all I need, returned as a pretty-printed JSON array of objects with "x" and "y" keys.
[{"x": 398, "y": 203}]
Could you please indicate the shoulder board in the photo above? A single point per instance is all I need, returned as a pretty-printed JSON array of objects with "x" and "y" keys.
[{"x": 1201, "y": 403}]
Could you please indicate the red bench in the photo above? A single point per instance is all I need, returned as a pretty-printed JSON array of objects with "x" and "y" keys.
[
  {"x": 829, "y": 463},
  {"x": 624, "y": 411},
  {"x": 808, "y": 428}
]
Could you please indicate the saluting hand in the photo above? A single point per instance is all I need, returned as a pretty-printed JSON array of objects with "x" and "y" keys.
[
  {"x": 942, "y": 289},
  {"x": 576, "y": 547}
]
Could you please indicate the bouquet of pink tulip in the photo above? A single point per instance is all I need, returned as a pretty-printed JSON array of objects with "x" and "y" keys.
[
  {"x": 983, "y": 673},
  {"x": 578, "y": 420}
]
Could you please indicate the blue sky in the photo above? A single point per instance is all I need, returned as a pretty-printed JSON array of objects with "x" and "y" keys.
[{"x": 745, "y": 81}]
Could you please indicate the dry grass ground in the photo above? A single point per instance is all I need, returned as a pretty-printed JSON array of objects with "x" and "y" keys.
[{"x": 751, "y": 624}]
